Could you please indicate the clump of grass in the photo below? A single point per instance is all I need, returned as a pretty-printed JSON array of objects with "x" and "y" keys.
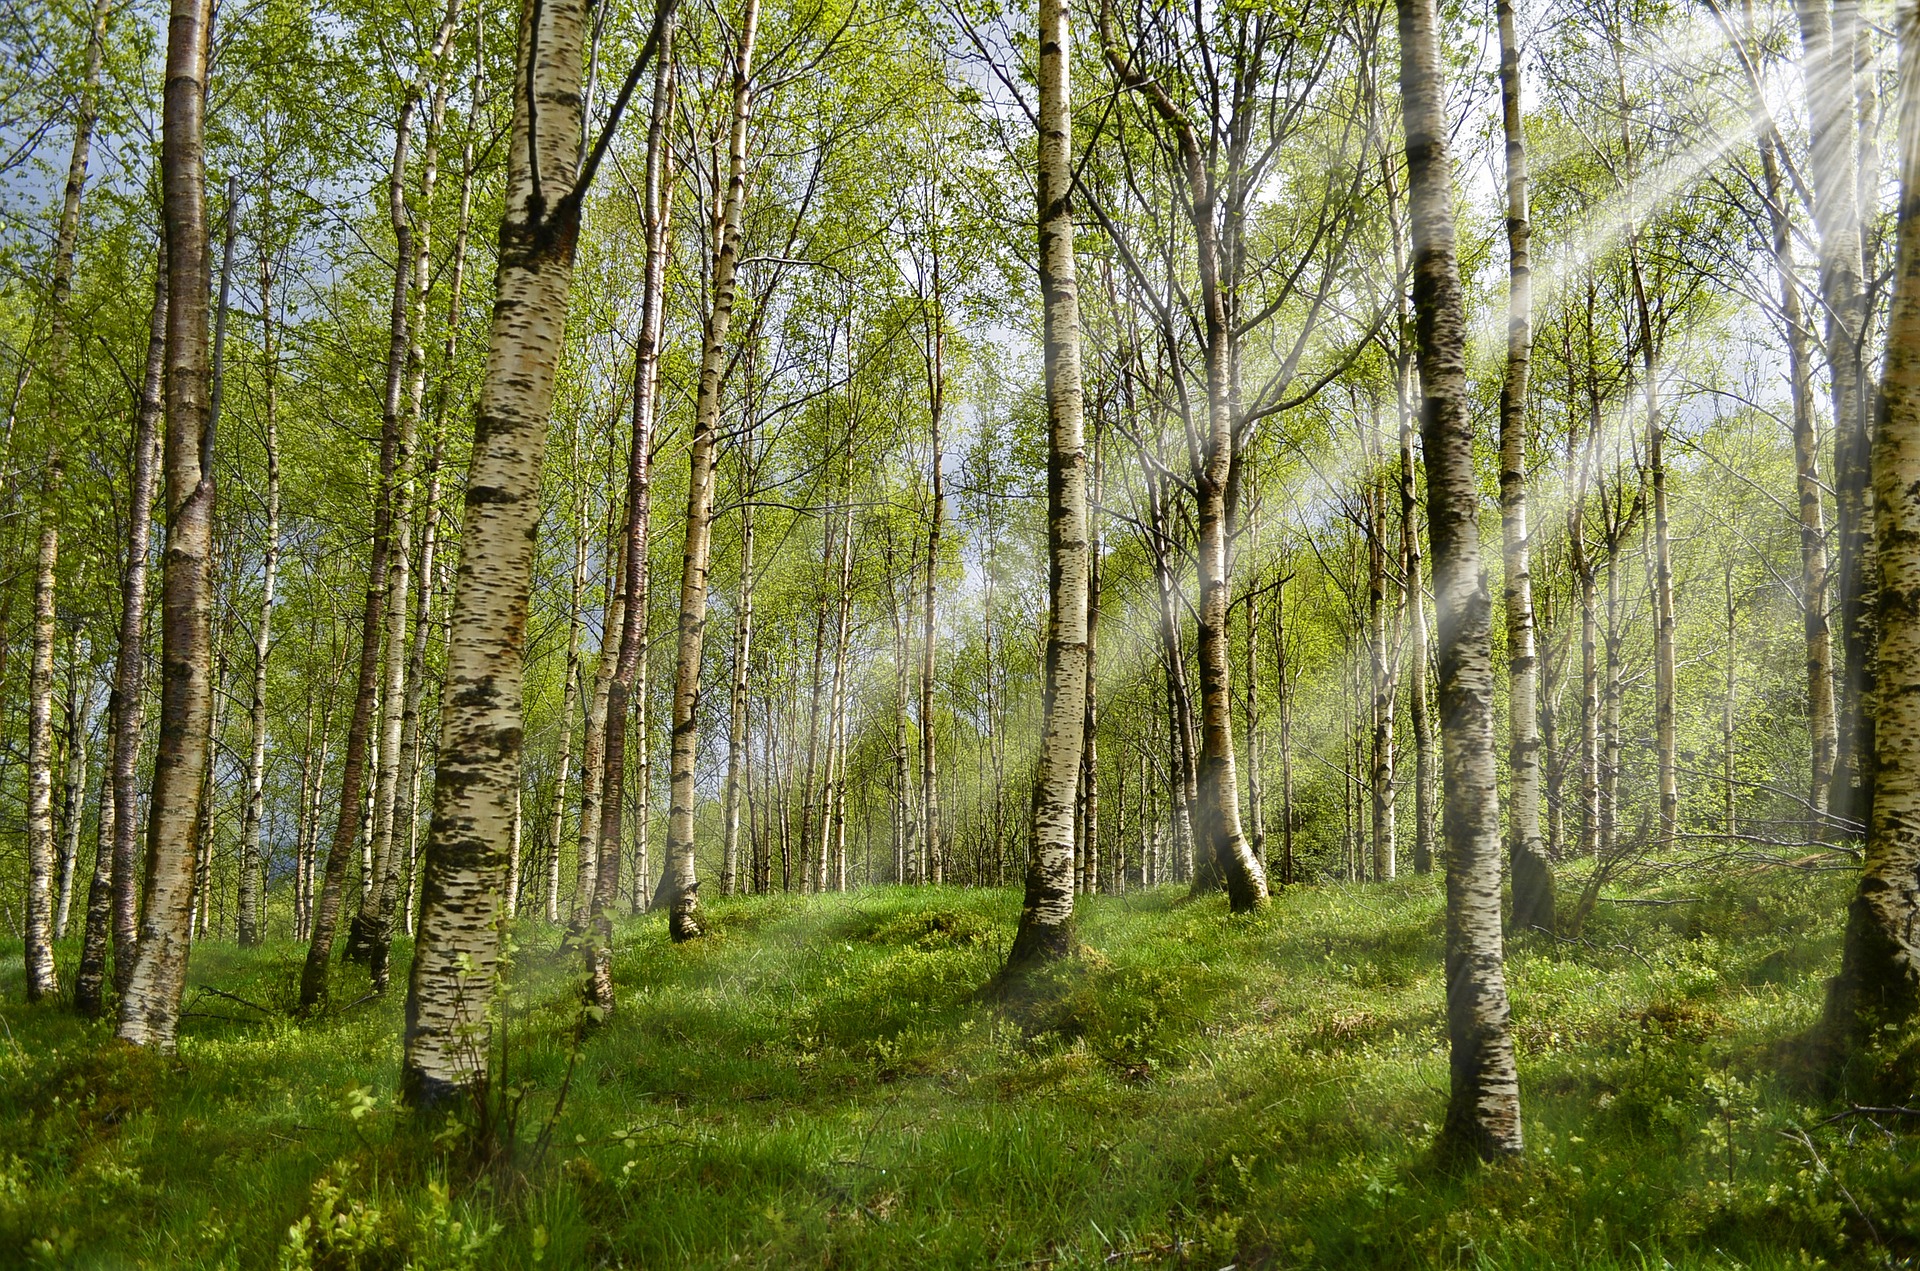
[{"x": 821, "y": 1081}]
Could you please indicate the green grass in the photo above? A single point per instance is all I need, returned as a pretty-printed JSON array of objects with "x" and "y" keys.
[{"x": 815, "y": 1084}]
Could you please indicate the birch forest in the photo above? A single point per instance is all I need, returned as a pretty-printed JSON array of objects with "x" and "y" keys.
[{"x": 930, "y": 633}]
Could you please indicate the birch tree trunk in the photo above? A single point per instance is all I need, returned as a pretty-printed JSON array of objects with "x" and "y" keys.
[
  {"x": 593, "y": 743},
  {"x": 1416, "y": 604},
  {"x": 73, "y": 795},
  {"x": 1046, "y": 914},
  {"x": 150, "y": 1003},
  {"x": 1284, "y": 684},
  {"x": 1526, "y": 852},
  {"x": 1090, "y": 727},
  {"x": 737, "y": 707},
  {"x": 250, "y": 900},
  {"x": 112, "y": 900},
  {"x": 569, "y": 694},
  {"x": 679, "y": 882},
  {"x": 833, "y": 840},
  {"x": 1483, "y": 1112},
  {"x": 371, "y": 937},
  {"x": 1879, "y": 980},
  {"x": 1827, "y": 40},
  {"x": 477, "y": 775},
  {"x": 42, "y": 979},
  {"x": 629, "y": 679},
  {"x": 1822, "y": 725},
  {"x": 1386, "y": 676},
  {"x": 929, "y": 749},
  {"x": 412, "y": 729}
]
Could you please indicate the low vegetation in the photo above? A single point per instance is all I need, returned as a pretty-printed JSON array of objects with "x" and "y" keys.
[{"x": 819, "y": 1084}]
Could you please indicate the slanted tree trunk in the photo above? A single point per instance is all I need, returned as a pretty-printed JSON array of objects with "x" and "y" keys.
[
  {"x": 679, "y": 882},
  {"x": 1879, "y": 980},
  {"x": 1822, "y": 725},
  {"x": 1046, "y": 913},
  {"x": 150, "y": 1003},
  {"x": 112, "y": 900},
  {"x": 1526, "y": 852},
  {"x": 371, "y": 937},
  {"x": 1483, "y": 1112},
  {"x": 456, "y": 959}
]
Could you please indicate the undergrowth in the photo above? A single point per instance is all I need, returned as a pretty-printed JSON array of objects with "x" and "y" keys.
[{"x": 819, "y": 1082}]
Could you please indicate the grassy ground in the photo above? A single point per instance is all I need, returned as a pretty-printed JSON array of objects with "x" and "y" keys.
[{"x": 814, "y": 1084}]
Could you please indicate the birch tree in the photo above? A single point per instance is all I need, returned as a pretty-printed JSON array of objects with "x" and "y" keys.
[{"x": 1483, "y": 1109}]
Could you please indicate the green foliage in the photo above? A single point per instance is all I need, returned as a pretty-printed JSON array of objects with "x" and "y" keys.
[{"x": 821, "y": 1082}]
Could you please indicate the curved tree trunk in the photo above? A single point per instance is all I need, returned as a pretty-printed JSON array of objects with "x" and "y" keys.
[
  {"x": 1046, "y": 913},
  {"x": 679, "y": 882},
  {"x": 150, "y": 1004},
  {"x": 1483, "y": 1112}
]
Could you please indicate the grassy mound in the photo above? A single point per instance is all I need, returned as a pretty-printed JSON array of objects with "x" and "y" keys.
[{"x": 817, "y": 1083}]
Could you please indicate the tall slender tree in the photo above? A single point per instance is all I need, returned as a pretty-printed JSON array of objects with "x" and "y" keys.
[
  {"x": 456, "y": 963},
  {"x": 1526, "y": 851},
  {"x": 150, "y": 1002},
  {"x": 1483, "y": 1110},
  {"x": 679, "y": 883},
  {"x": 1046, "y": 912}
]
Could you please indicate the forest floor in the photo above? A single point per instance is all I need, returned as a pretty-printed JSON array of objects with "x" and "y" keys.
[{"x": 816, "y": 1084}]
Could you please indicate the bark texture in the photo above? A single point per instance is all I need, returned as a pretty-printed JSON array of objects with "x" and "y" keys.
[
  {"x": 450, "y": 995},
  {"x": 1483, "y": 1111},
  {"x": 150, "y": 1003},
  {"x": 1879, "y": 979},
  {"x": 1046, "y": 914}
]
